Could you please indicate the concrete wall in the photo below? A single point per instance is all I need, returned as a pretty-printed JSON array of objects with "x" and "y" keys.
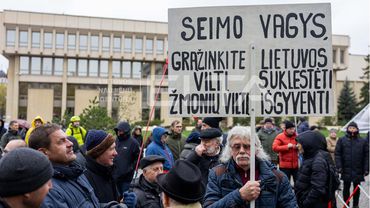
[{"x": 40, "y": 103}]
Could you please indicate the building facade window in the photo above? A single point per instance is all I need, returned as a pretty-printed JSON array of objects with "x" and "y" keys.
[
  {"x": 146, "y": 69},
  {"x": 138, "y": 45},
  {"x": 83, "y": 42},
  {"x": 47, "y": 66},
  {"x": 58, "y": 66},
  {"x": 35, "y": 65},
  {"x": 24, "y": 65},
  {"x": 23, "y": 38},
  {"x": 126, "y": 69},
  {"x": 103, "y": 68},
  {"x": 160, "y": 46},
  {"x": 149, "y": 46},
  {"x": 342, "y": 56},
  {"x": 94, "y": 45},
  {"x": 48, "y": 40},
  {"x": 136, "y": 70},
  {"x": 116, "y": 69},
  {"x": 59, "y": 40},
  {"x": 35, "y": 39},
  {"x": 117, "y": 44},
  {"x": 106, "y": 43},
  {"x": 93, "y": 68},
  {"x": 71, "y": 67},
  {"x": 82, "y": 67},
  {"x": 71, "y": 41},
  {"x": 128, "y": 45},
  {"x": 10, "y": 38}
]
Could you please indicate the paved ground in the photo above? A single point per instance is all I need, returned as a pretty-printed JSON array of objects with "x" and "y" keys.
[{"x": 364, "y": 201}]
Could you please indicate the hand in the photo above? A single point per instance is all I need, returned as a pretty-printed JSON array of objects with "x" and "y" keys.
[
  {"x": 129, "y": 198},
  {"x": 250, "y": 191},
  {"x": 290, "y": 145},
  {"x": 200, "y": 150}
]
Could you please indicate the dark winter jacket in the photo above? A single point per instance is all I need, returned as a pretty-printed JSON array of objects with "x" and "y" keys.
[
  {"x": 125, "y": 162},
  {"x": 223, "y": 188},
  {"x": 188, "y": 149},
  {"x": 70, "y": 189},
  {"x": 312, "y": 183},
  {"x": 2, "y": 128},
  {"x": 8, "y": 136},
  {"x": 352, "y": 158},
  {"x": 204, "y": 163},
  {"x": 176, "y": 143},
  {"x": 138, "y": 138},
  {"x": 267, "y": 137},
  {"x": 100, "y": 178},
  {"x": 156, "y": 147},
  {"x": 148, "y": 194}
]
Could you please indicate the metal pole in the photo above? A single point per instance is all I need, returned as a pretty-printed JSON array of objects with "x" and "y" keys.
[{"x": 252, "y": 117}]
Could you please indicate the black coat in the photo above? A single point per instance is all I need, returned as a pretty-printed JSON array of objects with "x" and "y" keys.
[
  {"x": 148, "y": 194},
  {"x": 100, "y": 178},
  {"x": 352, "y": 158},
  {"x": 204, "y": 163},
  {"x": 312, "y": 183},
  {"x": 128, "y": 152}
]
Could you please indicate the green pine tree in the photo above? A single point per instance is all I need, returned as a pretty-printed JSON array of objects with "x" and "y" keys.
[
  {"x": 96, "y": 117},
  {"x": 364, "y": 94},
  {"x": 347, "y": 104}
]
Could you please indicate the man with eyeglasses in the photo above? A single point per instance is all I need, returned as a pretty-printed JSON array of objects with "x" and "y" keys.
[
  {"x": 176, "y": 141},
  {"x": 229, "y": 184}
]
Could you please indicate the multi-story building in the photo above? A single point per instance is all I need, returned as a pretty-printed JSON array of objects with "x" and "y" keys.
[{"x": 57, "y": 63}]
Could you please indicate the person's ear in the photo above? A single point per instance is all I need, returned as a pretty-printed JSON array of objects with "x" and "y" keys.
[{"x": 44, "y": 150}]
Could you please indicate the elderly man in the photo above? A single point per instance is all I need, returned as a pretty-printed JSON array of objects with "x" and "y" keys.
[
  {"x": 229, "y": 184},
  {"x": 12, "y": 133},
  {"x": 24, "y": 179},
  {"x": 146, "y": 187},
  {"x": 267, "y": 135},
  {"x": 70, "y": 186},
  {"x": 206, "y": 154}
]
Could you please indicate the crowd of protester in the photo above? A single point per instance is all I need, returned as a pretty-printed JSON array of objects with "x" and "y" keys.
[{"x": 49, "y": 167}]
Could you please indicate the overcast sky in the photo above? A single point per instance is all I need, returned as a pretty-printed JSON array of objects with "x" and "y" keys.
[{"x": 348, "y": 17}]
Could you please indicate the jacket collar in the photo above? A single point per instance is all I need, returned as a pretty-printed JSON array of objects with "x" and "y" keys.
[
  {"x": 98, "y": 169},
  {"x": 72, "y": 171}
]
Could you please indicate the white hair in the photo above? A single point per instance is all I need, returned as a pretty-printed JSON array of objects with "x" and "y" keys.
[{"x": 243, "y": 133}]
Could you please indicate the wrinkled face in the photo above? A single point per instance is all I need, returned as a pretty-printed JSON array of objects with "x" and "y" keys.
[
  {"x": 211, "y": 145},
  {"x": 333, "y": 134},
  {"x": 14, "y": 127},
  {"x": 240, "y": 150},
  {"x": 290, "y": 131},
  {"x": 61, "y": 149},
  {"x": 150, "y": 172},
  {"x": 36, "y": 197},
  {"x": 106, "y": 159},
  {"x": 352, "y": 129},
  {"x": 268, "y": 125},
  {"x": 177, "y": 128},
  {"x": 38, "y": 123}
]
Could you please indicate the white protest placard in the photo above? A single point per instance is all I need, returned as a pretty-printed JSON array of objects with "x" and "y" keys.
[{"x": 210, "y": 60}]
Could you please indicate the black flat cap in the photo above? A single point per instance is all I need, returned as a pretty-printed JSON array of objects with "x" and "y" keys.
[
  {"x": 148, "y": 160},
  {"x": 210, "y": 133}
]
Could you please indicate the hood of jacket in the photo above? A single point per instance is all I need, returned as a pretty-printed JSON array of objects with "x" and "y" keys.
[
  {"x": 158, "y": 133},
  {"x": 312, "y": 142},
  {"x": 33, "y": 125}
]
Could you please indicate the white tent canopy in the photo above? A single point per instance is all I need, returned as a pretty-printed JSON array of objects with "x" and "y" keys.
[{"x": 362, "y": 119}]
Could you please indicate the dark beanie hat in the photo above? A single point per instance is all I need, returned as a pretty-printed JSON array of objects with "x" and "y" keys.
[
  {"x": 288, "y": 124},
  {"x": 97, "y": 142},
  {"x": 268, "y": 120},
  {"x": 212, "y": 121},
  {"x": 354, "y": 124},
  {"x": 23, "y": 170}
]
